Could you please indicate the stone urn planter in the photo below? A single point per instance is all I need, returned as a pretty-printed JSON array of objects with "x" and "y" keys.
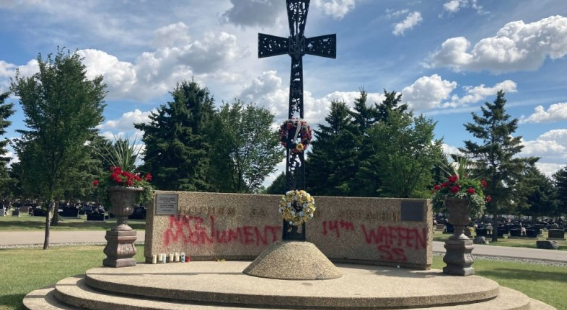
[
  {"x": 458, "y": 257},
  {"x": 120, "y": 248}
]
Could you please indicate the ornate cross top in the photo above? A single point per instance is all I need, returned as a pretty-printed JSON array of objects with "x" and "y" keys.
[{"x": 296, "y": 45}]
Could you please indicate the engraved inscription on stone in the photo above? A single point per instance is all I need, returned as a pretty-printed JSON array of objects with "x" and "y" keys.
[
  {"x": 167, "y": 204},
  {"x": 413, "y": 211}
]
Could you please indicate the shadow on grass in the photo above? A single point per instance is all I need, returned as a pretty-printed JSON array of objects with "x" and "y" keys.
[
  {"x": 527, "y": 275},
  {"x": 12, "y": 302}
]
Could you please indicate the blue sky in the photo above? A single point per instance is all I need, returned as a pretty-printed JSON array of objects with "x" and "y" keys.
[{"x": 447, "y": 57}]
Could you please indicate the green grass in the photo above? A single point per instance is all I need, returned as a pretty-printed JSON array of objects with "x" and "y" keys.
[
  {"x": 510, "y": 242},
  {"x": 24, "y": 270},
  {"x": 542, "y": 282},
  {"x": 29, "y": 223}
]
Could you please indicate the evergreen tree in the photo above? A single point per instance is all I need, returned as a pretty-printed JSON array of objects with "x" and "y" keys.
[
  {"x": 177, "y": 149},
  {"x": 391, "y": 103},
  {"x": 331, "y": 166},
  {"x": 6, "y": 110},
  {"x": 560, "y": 182},
  {"x": 534, "y": 194},
  {"x": 278, "y": 186},
  {"x": 62, "y": 108},
  {"x": 495, "y": 154}
]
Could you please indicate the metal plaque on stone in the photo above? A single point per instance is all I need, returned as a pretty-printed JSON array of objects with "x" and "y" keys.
[
  {"x": 412, "y": 211},
  {"x": 167, "y": 204}
]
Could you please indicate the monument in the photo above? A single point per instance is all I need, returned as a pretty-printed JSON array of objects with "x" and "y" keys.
[{"x": 219, "y": 233}]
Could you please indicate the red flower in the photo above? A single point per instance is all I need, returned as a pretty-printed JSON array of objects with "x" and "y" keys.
[
  {"x": 484, "y": 184},
  {"x": 453, "y": 178},
  {"x": 446, "y": 184},
  {"x": 437, "y": 187},
  {"x": 455, "y": 189},
  {"x": 95, "y": 183},
  {"x": 488, "y": 198},
  {"x": 148, "y": 177},
  {"x": 471, "y": 190}
]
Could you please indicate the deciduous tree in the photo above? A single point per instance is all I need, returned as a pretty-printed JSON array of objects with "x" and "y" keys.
[{"x": 62, "y": 108}]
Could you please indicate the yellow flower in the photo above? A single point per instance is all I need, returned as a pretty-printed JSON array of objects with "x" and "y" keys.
[{"x": 300, "y": 147}]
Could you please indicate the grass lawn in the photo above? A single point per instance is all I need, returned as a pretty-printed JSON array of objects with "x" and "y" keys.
[
  {"x": 28, "y": 223},
  {"x": 511, "y": 242},
  {"x": 24, "y": 270}
]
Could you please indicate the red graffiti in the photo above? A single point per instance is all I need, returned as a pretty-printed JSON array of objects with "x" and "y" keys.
[
  {"x": 392, "y": 242},
  {"x": 190, "y": 230},
  {"x": 336, "y": 226}
]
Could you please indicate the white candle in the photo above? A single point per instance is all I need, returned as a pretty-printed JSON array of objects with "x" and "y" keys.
[
  {"x": 176, "y": 257},
  {"x": 154, "y": 259},
  {"x": 163, "y": 258},
  {"x": 170, "y": 258}
]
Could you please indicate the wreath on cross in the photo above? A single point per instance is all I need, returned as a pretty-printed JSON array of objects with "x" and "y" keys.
[
  {"x": 297, "y": 207},
  {"x": 295, "y": 135}
]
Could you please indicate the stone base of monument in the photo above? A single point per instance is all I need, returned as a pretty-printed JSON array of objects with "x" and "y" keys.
[
  {"x": 293, "y": 260},
  {"x": 120, "y": 249},
  {"x": 222, "y": 285}
]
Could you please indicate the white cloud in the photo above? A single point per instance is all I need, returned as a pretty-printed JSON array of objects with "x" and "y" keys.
[
  {"x": 556, "y": 112},
  {"x": 517, "y": 46},
  {"x": 392, "y": 14},
  {"x": 551, "y": 147},
  {"x": 449, "y": 149},
  {"x": 8, "y": 70},
  {"x": 427, "y": 92},
  {"x": 267, "y": 91},
  {"x": 172, "y": 35},
  {"x": 253, "y": 12},
  {"x": 335, "y": 8},
  {"x": 454, "y": 6},
  {"x": 479, "y": 93},
  {"x": 412, "y": 20},
  {"x": 126, "y": 122}
]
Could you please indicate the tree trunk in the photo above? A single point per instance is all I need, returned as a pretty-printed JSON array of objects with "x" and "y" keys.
[
  {"x": 47, "y": 227},
  {"x": 495, "y": 229},
  {"x": 55, "y": 219}
]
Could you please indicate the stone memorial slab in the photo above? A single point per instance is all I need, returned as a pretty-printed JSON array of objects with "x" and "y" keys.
[{"x": 211, "y": 226}]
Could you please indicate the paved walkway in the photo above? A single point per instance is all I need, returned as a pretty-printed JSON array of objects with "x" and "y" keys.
[{"x": 13, "y": 238}]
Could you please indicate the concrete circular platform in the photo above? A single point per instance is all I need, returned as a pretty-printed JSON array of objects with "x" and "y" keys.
[{"x": 360, "y": 287}]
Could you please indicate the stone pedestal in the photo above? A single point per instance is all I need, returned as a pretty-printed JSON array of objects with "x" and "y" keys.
[
  {"x": 458, "y": 257},
  {"x": 120, "y": 249}
]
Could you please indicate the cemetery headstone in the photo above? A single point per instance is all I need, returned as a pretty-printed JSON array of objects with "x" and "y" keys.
[
  {"x": 547, "y": 244},
  {"x": 555, "y": 234}
]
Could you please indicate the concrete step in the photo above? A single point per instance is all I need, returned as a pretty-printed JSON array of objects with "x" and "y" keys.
[
  {"x": 359, "y": 287},
  {"x": 73, "y": 294}
]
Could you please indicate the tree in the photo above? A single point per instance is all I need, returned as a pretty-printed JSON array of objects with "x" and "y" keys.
[
  {"x": 495, "y": 154},
  {"x": 331, "y": 166},
  {"x": 245, "y": 150},
  {"x": 403, "y": 155},
  {"x": 534, "y": 194},
  {"x": 6, "y": 110},
  {"x": 62, "y": 108},
  {"x": 177, "y": 149},
  {"x": 278, "y": 186},
  {"x": 560, "y": 182},
  {"x": 391, "y": 103}
]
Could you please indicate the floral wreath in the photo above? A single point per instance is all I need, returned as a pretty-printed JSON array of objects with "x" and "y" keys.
[
  {"x": 292, "y": 138},
  {"x": 297, "y": 207}
]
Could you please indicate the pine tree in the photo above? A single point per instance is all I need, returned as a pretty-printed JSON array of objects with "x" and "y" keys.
[
  {"x": 534, "y": 194},
  {"x": 495, "y": 154},
  {"x": 177, "y": 149},
  {"x": 331, "y": 166},
  {"x": 391, "y": 103},
  {"x": 560, "y": 182},
  {"x": 6, "y": 110}
]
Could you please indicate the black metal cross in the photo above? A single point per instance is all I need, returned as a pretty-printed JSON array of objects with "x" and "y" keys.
[{"x": 296, "y": 45}]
